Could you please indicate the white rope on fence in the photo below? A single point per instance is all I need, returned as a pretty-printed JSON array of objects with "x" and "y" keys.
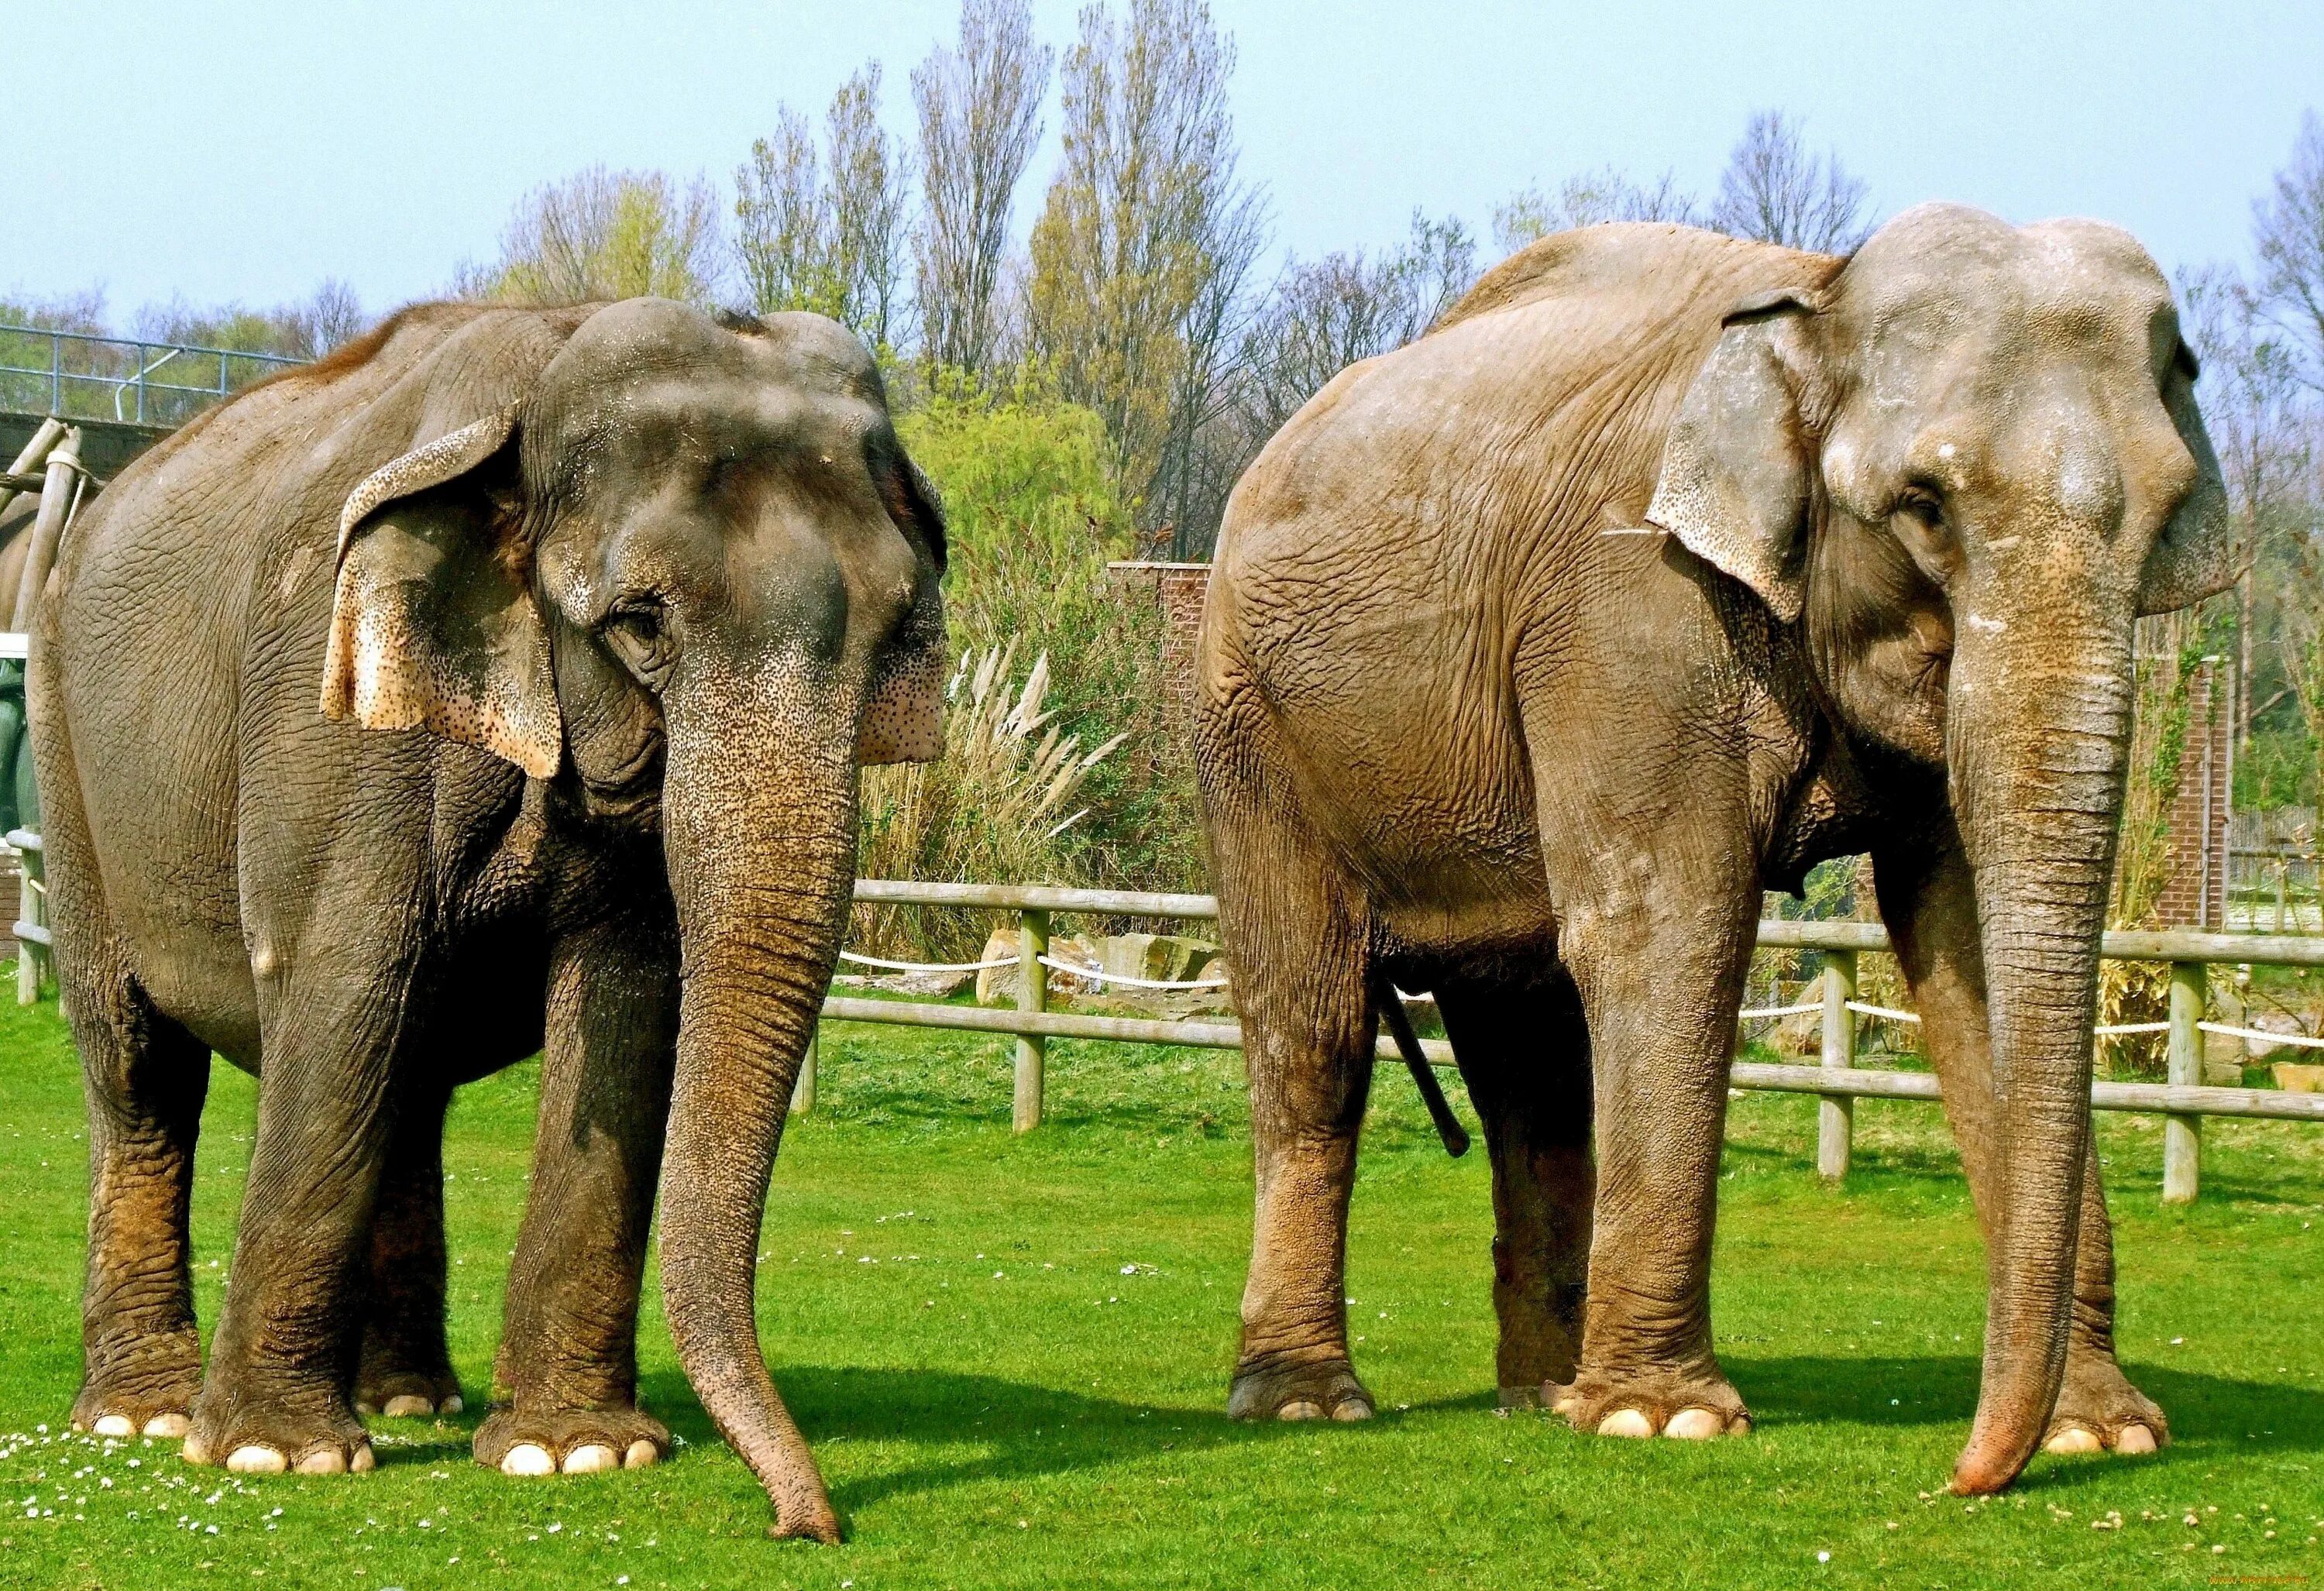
[
  {"x": 925, "y": 966},
  {"x": 1891, "y": 1016},
  {"x": 1098, "y": 975},
  {"x": 2122, "y": 1029},
  {"x": 2224, "y": 1031},
  {"x": 1764, "y": 1013}
]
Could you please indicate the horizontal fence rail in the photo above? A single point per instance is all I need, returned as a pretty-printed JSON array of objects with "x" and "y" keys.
[
  {"x": 82, "y": 376},
  {"x": 2183, "y": 1101}
]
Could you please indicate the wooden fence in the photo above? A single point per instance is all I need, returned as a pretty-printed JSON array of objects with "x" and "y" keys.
[{"x": 2183, "y": 1101}]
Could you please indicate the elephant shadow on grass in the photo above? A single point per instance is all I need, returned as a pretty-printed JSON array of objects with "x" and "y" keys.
[
  {"x": 1018, "y": 1430},
  {"x": 2207, "y": 1411}
]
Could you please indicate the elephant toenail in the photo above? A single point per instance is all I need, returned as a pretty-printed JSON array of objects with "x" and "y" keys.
[
  {"x": 168, "y": 1425},
  {"x": 323, "y": 1461},
  {"x": 589, "y": 1458},
  {"x": 528, "y": 1459},
  {"x": 363, "y": 1462},
  {"x": 642, "y": 1455},
  {"x": 2134, "y": 1440},
  {"x": 253, "y": 1461},
  {"x": 1626, "y": 1423},
  {"x": 113, "y": 1425},
  {"x": 408, "y": 1406},
  {"x": 1300, "y": 1409},
  {"x": 366, "y": 1407},
  {"x": 1694, "y": 1425},
  {"x": 1351, "y": 1410},
  {"x": 452, "y": 1404},
  {"x": 195, "y": 1451},
  {"x": 2073, "y": 1438},
  {"x": 1740, "y": 1426}
]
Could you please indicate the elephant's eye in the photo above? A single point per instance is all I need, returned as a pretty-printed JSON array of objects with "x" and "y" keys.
[
  {"x": 638, "y": 635},
  {"x": 1924, "y": 508}
]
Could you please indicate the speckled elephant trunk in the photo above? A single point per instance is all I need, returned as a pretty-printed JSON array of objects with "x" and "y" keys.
[{"x": 761, "y": 927}]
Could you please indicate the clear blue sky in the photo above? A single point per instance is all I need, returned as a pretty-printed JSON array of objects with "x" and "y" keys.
[{"x": 247, "y": 150}]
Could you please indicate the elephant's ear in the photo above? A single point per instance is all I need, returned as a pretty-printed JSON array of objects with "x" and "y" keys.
[
  {"x": 2200, "y": 551},
  {"x": 1736, "y": 468},
  {"x": 433, "y": 620}
]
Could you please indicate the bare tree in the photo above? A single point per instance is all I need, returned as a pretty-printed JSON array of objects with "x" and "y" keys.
[
  {"x": 1145, "y": 241},
  {"x": 2288, "y": 228},
  {"x": 1323, "y": 317},
  {"x": 780, "y": 225},
  {"x": 303, "y": 329},
  {"x": 1774, "y": 190},
  {"x": 603, "y": 233},
  {"x": 980, "y": 106},
  {"x": 829, "y": 238},
  {"x": 869, "y": 197},
  {"x": 1587, "y": 200}
]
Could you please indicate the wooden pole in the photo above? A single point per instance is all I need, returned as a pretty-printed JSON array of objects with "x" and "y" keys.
[
  {"x": 50, "y": 430},
  {"x": 1836, "y": 1114},
  {"x": 2183, "y": 1136},
  {"x": 1032, "y": 995},
  {"x": 803, "y": 1091},
  {"x": 28, "y": 911}
]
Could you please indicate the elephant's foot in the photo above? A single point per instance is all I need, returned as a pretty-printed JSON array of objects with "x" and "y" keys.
[
  {"x": 148, "y": 1391},
  {"x": 1690, "y": 1404},
  {"x": 252, "y": 1437},
  {"x": 570, "y": 1441},
  {"x": 407, "y": 1393},
  {"x": 1319, "y": 1389},
  {"x": 2100, "y": 1412}
]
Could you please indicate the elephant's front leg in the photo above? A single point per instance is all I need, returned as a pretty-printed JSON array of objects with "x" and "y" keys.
[
  {"x": 1929, "y": 901},
  {"x": 282, "y": 1358},
  {"x": 405, "y": 1365},
  {"x": 1659, "y": 956},
  {"x": 569, "y": 1349}
]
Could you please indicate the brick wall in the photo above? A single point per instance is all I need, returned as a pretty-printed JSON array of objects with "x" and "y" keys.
[
  {"x": 1177, "y": 589},
  {"x": 2195, "y": 896}
]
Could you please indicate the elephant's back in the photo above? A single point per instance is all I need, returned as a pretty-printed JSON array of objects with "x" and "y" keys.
[
  {"x": 193, "y": 594},
  {"x": 1432, "y": 514}
]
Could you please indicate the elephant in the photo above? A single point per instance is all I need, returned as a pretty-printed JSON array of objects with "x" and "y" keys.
[
  {"x": 1666, "y": 566},
  {"x": 495, "y": 685}
]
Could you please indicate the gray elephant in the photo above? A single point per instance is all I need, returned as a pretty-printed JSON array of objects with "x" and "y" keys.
[
  {"x": 1664, "y": 567},
  {"x": 495, "y": 683}
]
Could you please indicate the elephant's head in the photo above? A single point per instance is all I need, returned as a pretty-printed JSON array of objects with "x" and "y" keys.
[
  {"x": 682, "y": 569},
  {"x": 1966, "y": 461}
]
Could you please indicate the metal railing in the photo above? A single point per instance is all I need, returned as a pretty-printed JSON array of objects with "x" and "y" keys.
[
  {"x": 2183, "y": 1101},
  {"x": 80, "y": 376}
]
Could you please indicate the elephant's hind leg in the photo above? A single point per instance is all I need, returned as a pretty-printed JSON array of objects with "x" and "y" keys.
[
  {"x": 569, "y": 1349},
  {"x": 405, "y": 1365},
  {"x": 1525, "y": 1054},
  {"x": 1293, "y": 927},
  {"x": 146, "y": 1078}
]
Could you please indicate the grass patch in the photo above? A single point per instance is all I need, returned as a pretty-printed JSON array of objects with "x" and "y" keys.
[{"x": 1011, "y": 1355}]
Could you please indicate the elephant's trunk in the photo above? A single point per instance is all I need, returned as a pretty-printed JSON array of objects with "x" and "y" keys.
[
  {"x": 761, "y": 841},
  {"x": 2040, "y": 730}
]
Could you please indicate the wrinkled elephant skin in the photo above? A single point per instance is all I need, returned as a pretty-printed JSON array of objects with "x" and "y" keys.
[
  {"x": 495, "y": 683},
  {"x": 1664, "y": 567}
]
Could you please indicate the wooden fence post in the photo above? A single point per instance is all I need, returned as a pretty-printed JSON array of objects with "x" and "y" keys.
[
  {"x": 1836, "y": 1115},
  {"x": 1032, "y": 995},
  {"x": 803, "y": 1091},
  {"x": 2183, "y": 1136}
]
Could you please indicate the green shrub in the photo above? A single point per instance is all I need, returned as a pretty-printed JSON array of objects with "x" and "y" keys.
[{"x": 1032, "y": 520}]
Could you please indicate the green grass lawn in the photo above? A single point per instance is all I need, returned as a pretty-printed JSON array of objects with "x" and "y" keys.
[{"x": 1011, "y": 1355}]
